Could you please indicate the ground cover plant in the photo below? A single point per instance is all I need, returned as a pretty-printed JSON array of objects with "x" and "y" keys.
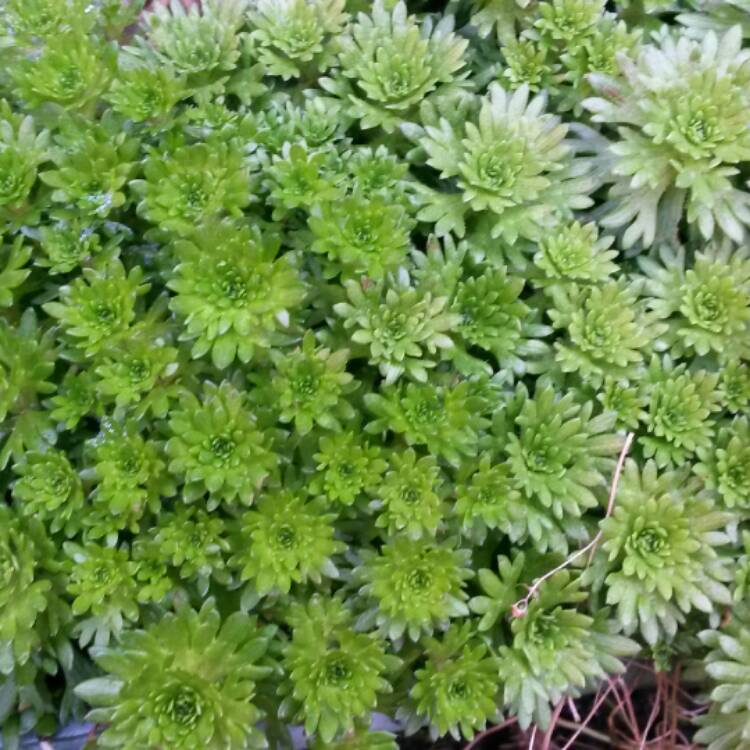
[{"x": 371, "y": 356}]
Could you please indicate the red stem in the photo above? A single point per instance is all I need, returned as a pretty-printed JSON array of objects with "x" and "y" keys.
[
  {"x": 597, "y": 703},
  {"x": 489, "y": 731},
  {"x": 654, "y": 712},
  {"x": 547, "y": 739}
]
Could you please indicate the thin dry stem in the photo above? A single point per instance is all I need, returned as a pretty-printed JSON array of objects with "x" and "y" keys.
[
  {"x": 573, "y": 710},
  {"x": 547, "y": 739},
  {"x": 653, "y": 714},
  {"x": 520, "y": 607},
  {"x": 580, "y": 728},
  {"x": 533, "y": 739},
  {"x": 489, "y": 731},
  {"x": 597, "y": 703}
]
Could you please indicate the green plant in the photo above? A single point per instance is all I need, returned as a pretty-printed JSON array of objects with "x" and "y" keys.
[
  {"x": 678, "y": 406},
  {"x": 99, "y": 306},
  {"x": 200, "y": 42},
  {"x": 193, "y": 184},
  {"x": 33, "y": 610},
  {"x": 660, "y": 551},
  {"x": 49, "y": 489},
  {"x": 72, "y": 69},
  {"x": 404, "y": 330},
  {"x": 296, "y": 36},
  {"x": 158, "y": 690},
  {"x": 575, "y": 253},
  {"x": 409, "y": 496},
  {"x": 548, "y": 649},
  {"x": 606, "y": 330},
  {"x": 217, "y": 448},
  {"x": 310, "y": 385},
  {"x": 360, "y": 236},
  {"x": 725, "y": 724},
  {"x": 325, "y": 327},
  {"x": 290, "y": 540},
  {"x": 541, "y": 651},
  {"x": 415, "y": 586},
  {"x": 335, "y": 672},
  {"x": 725, "y": 466},
  {"x": 455, "y": 690},
  {"x": 706, "y": 306},
  {"x": 241, "y": 301},
  {"x": 558, "y": 453},
  {"x": 389, "y": 63},
  {"x": 512, "y": 161},
  {"x": 23, "y": 149},
  {"x": 682, "y": 133}
]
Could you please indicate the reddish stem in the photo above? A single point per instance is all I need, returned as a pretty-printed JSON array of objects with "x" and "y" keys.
[
  {"x": 573, "y": 710},
  {"x": 533, "y": 738},
  {"x": 654, "y": 711},
  {"x": 489, "y": 731},
  {"x": 547, "y": 739},
  {"x": 597, "y": 703}
]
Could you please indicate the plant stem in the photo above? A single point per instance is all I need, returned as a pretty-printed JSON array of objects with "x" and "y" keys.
[
  {"x": 489, "y": 731},
  {"x": 582, "y": 729},
  {"x": 519, "y": 608}
]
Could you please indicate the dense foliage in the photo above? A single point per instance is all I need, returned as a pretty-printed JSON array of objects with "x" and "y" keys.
[{"x": 322, "y": 324}]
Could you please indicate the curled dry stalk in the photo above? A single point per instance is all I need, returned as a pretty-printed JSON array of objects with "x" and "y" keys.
[{"x": 519, "y": 608}]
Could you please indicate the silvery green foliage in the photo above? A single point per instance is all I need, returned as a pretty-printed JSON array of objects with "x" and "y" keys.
[
  {"x": 510, "y": 162},
  {"x": 322, "y": 325},
  {"x": 681, "y": 111},
  {"x": 390, "y": 62},
  {"x": 726, "y": 723}
]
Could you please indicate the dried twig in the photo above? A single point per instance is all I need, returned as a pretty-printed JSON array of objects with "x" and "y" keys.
[
  {"x": 633, "y": 720},
  {"x": 584, "y": 724},
  {"x": 533, "y": 739},
  {"x": 674, "y": 705},
  {"x": 580, "y": 728},
  {"x": 573, "y": 710},
  {"x": 489, "y": 731},
  {"x": 547, "y": 739},
  {"x": 520, "y": 607},
  {"x": 654, "y": 712}
]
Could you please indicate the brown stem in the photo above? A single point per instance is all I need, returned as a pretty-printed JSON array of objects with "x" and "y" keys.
[
  {"x": 630, "y": 709},
  {"x": 573, "y": 710},
  {"x": 583, "y": 726},
  {"x": 581, "y": 729},
  {"x": 675, "y": 705},
  {"x": 547, "y": 739},
  {"x": 533, "y": 738},
  {"x": 520, "y": 607},
  {"x": 654, "y": 711},
  {"x": 478, "y": 739}
]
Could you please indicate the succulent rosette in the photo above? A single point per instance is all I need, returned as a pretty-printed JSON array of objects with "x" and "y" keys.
[
  {"x": 334, "y": 672},
  {"x": 158, "y": 690},
  {"x": 373, "y": 358},
  {"x": 217, "y": 447},
  {"x": 659, "y": 551}
]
